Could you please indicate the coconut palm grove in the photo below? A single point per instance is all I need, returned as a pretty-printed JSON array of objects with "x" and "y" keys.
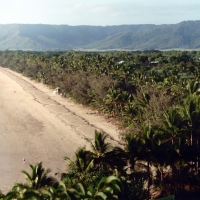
[{"x": 153, "y": 96}]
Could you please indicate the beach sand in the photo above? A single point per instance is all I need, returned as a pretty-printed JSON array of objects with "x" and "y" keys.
[{"x": 40, "y": 126}]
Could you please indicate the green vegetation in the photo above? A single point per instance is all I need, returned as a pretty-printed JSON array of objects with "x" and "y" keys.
[
  {"x": 154, "y": 95},
  {"x": 42, "y": 37},
  {"x": 184, "y": 35}
]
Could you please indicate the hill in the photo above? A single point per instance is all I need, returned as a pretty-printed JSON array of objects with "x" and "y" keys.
[{"x": 185, "y": 35}]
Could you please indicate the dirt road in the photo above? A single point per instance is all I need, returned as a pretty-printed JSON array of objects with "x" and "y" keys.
[{"x": 38, "y": 125}]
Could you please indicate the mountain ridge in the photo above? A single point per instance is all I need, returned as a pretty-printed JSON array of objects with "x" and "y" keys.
[{"x": 42, "y": 37}]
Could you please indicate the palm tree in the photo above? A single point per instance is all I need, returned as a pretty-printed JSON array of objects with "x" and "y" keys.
[
  {"x": 83, "y": 163},
  {"x": 164, "y": 156},
  {"x": 149, "y": 141},
  {"x": 190, "y": 112},
  {"x": 132, "y": 148},
  {"x": 100, "y": 147},
  {"x": 37, "y": 179},
  {"x": 171, "y": 124},
  {"x": 112, "y": 101},
  {"x": 104, "y": 154},
  {"x": 173, "y": 132}
]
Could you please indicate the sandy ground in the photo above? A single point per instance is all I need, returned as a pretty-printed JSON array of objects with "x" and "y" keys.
[{"x": 39, "y": 125}]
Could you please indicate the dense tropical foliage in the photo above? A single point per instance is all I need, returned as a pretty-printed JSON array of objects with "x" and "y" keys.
[{"x": 155, "y": 96}]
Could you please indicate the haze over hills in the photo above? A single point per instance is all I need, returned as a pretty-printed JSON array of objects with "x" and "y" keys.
[{"x": 39, "y": 37}]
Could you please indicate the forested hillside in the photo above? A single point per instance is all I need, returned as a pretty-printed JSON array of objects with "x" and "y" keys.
[
  {"x": 156, "y": 98},
  {"x": 185, "y": 35},
  {"x": 57, "y": 37}
]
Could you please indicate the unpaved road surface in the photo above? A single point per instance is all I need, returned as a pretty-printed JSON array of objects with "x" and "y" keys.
[{"x": 38, "y": 125}]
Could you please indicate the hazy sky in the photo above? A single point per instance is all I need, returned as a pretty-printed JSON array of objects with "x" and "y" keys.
[{"x": 98, "y": 12}]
